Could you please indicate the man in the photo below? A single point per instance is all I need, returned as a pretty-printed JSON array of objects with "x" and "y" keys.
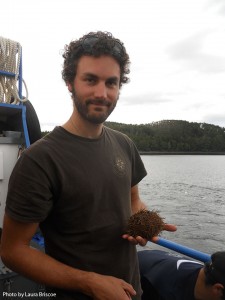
[
  {"x": 167, "y": 276},
  {"x": 80, "y": 185}
]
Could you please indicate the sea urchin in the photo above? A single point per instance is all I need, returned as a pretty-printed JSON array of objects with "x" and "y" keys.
[{"x": 145, "y": 223}]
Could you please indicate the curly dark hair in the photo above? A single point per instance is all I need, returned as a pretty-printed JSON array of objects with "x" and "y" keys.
[{"x": 95, "y": 44}]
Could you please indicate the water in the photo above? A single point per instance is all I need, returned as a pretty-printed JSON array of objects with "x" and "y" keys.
[{"x": 188, "y": 191}]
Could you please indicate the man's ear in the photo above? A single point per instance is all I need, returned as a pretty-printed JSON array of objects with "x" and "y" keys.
[
  {"x": 69, "y": 87},
  {"x": 218, "y": 289}
]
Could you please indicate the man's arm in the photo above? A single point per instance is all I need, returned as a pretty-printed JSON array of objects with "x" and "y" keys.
[
  {"x": 136, "y": 203},
  {"x": 17, "y": 254}
]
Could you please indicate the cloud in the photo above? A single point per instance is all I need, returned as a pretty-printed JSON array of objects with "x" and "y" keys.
[
  {"x": 192, "y": 54},
  {"x": 216, "y": 119},
  {"x": 219, "y": 6},
  {"x": 149, "y": 99}
]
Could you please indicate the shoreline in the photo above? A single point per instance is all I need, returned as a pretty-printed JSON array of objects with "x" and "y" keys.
[{"x": 179, "y": 153}]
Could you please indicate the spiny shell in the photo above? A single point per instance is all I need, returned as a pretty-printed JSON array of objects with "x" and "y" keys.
[{"x": 145, "y": 223}]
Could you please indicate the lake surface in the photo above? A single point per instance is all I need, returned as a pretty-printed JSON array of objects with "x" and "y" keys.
[{"x": 188, "y": 191}]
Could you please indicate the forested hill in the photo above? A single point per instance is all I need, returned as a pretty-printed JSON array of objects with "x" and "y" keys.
[{"x": 174, "y": 136}]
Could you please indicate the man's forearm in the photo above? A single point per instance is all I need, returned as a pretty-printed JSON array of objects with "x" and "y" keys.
[{"x": 42, "y": 268}]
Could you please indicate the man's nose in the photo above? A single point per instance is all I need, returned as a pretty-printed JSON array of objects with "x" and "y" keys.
[{"x": 100, "y": 91}]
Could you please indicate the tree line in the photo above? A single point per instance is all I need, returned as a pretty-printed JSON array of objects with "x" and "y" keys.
[{"x": 173, "y": 136}]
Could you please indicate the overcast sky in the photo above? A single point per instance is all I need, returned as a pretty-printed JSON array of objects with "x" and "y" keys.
[{"x": 176, "y": 47}]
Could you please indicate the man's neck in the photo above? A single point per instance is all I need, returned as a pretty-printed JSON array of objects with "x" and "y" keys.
[
  {"x": 83, "y": 128},
  {"x": 202, "y": 292}
]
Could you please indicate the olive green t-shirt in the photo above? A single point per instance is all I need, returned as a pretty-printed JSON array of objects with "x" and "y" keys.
[{"x": 79, "y": 190}]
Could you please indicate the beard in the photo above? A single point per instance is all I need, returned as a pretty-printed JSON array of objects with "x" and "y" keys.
[{"x": 97, "y": 116}]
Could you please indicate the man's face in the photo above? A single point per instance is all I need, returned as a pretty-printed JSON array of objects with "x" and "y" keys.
[{"x": 95, "y": 88}]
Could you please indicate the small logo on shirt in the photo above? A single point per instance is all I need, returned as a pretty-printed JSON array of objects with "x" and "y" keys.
[
  {"x": 181, "y": 261},
  {"x": 119, "y": 166}
]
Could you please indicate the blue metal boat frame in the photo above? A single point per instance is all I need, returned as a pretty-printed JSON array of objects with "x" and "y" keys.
[{"x": 20, "y": 106}]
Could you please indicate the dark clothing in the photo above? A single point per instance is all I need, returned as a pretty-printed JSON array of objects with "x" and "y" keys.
[
  {"x": 167, "y": 276},
  {"x": 79, "y": 190}
]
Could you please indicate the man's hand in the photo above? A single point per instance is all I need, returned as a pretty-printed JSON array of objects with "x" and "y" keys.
[
  {"x": 110, "y": 288},
  {"x": 141, "y": 241}
]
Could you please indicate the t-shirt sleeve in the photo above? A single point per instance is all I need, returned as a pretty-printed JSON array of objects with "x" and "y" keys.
[
  {"x": 29, "y": 197},
  {"x": 138, "y": 168}
]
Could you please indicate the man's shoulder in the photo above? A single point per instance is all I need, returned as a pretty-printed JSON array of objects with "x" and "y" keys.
[
  {"x": 44, "y": 145},
  {"x": 165, "y": 255},
  {"x": 166, "y": 261},
  {"x": 117, "y": 134},
  {"x": 169, "y": 273}
]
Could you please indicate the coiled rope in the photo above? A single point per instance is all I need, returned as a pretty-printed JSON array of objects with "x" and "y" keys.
[{"x": 10, "y": 57}]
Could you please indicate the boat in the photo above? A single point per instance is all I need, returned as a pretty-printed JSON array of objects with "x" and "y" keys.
[{"x": 19, "y": 128}]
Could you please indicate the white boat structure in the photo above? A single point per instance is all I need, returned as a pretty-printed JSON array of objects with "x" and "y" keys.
[{"x": 19, "y": 127}]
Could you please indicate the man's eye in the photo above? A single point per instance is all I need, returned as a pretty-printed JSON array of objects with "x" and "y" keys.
[
  {"x": 90, "y": 80},
  {"x": 112, "y": 83}
]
